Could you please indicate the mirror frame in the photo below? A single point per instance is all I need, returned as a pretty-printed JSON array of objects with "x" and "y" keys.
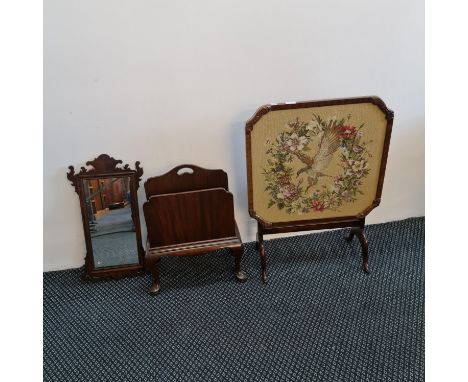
[{"x": 105, "y": 166}]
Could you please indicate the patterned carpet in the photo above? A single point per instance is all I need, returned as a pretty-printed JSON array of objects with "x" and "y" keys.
[{"x": 319, "y": 318}]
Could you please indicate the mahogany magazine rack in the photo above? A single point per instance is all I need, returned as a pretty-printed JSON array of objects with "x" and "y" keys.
[{"x": 189, "y": 211}]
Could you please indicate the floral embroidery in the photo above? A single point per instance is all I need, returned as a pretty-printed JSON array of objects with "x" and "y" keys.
[
  {"x": 296, "y": 143},
  {"x": 318, "y": 205},
  {"x": 348, "y": 131},
  {"x": 298, "y": 192}
]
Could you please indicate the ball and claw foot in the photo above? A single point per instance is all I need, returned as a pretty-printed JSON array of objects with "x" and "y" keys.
[
  {"x": 151, "y": 267},
  {"x": 155, "y": 288},
  {"x": 365, "y": 267},
  {"x": 241, "y": 276}
]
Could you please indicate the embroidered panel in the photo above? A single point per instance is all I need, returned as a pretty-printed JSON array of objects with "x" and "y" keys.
[{"x": 316, "y": 162}]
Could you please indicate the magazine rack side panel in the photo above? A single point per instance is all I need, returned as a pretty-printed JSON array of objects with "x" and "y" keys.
[
  {"x": 317, "y": 161},
  {"x": 189, "y": 217},
  {"x": 185, "y": 177}
]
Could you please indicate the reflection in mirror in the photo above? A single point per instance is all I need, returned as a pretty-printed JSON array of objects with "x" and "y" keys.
[{"x": 110, "y": 221}]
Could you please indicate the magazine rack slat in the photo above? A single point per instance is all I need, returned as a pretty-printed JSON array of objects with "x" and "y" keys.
[
  {"x": 316, "y": 165},
  {"x": 189, "y": 211}
]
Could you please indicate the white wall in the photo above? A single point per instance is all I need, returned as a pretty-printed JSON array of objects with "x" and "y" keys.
[{"x": 171, "y": 82}]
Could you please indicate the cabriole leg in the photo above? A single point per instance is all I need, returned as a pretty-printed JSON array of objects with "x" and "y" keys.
[
  {"x": 365, "y": 250},
  {"x": 359, "y": 232},
  {"x": 261, "y": 252}
]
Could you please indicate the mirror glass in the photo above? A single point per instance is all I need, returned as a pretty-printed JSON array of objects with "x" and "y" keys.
[{"x": 109, "y": 217}]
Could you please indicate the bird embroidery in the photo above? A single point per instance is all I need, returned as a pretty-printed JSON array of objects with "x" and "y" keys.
[{"x": 328, "y": 145}]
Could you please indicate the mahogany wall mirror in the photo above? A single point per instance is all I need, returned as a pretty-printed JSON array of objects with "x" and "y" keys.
[{"x": 111, "y": 224}]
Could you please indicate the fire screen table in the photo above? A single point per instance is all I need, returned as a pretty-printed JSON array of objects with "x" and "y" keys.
[{"x": 316, "y": 165}]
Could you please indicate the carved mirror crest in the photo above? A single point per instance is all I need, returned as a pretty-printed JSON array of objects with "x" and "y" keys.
[{"x": 111, "y": 223}]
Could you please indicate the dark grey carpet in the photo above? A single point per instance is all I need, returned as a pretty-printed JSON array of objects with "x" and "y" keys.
[{"x": 319, "y": 318}]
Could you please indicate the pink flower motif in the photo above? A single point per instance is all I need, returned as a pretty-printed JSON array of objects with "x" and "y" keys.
[
  {"x": 348, "y": 131},
  {"x": 358, "y": 149},
  {"x": 318, "y": 205},
  {"x": 288, "y": 192}
]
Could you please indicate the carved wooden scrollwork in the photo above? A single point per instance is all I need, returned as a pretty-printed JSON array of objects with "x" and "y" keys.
[
  {"x": 138, "y": 174},
  {"x": 72, "y": 177},
  {"x": 104, "y": 165}
]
